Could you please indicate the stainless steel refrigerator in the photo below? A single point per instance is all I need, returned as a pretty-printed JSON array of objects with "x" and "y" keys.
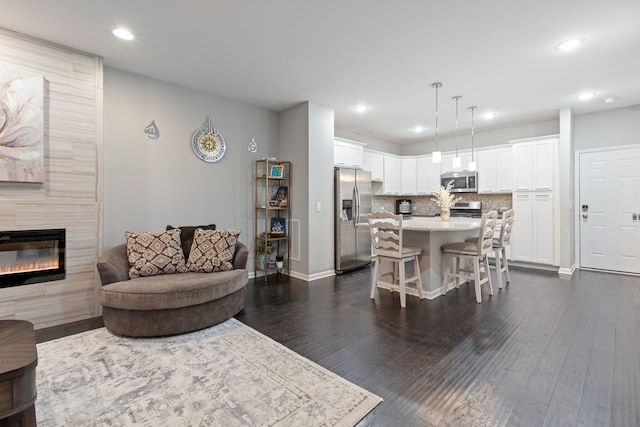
[{"x": 352, "y": 206}]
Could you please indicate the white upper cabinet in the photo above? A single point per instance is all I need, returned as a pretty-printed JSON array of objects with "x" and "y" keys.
[
  {"x": 495, "y": 167},
  {"x": 374, "y": 163},
  {"x": 392, "y": 184},
  {"x": 427, "y": 175},
  {"x": 408, "y": 176},
  {"x": 347, "y": 154},
  {"x": 487, "y": 170},
  {"x": 504, "y": 169},
  {"x": 534, "y": 164},
  {"x": 447, "y": 161}
]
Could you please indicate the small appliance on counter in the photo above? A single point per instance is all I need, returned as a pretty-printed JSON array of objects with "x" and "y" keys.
[{"x": 403, "y": 207}]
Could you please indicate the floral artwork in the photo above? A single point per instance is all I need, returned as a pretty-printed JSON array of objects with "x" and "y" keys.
[
  {"x": 443, "y": 197},
  {"x": 21, "y": 127}
]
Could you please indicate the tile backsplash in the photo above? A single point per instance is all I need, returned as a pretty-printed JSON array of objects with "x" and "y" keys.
[{"x": 422, "y": 205}]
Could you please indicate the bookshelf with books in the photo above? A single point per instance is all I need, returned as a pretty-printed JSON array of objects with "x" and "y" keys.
[{"x": 273, "y": 211}]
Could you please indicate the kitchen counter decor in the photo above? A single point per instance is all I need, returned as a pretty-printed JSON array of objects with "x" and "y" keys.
[{"x": 444, "y": 199}]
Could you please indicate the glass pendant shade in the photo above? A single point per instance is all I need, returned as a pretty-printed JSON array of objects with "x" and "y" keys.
[
  {"x": 437, "y": 156},
  {"x": 457, "y": 162},
  {"x": 472, "y": 166}
]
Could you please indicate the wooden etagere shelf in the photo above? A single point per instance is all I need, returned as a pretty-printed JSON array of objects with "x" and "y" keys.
[{"x": 273, "y": 212}]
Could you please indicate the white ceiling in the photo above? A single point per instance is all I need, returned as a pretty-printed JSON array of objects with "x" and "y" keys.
[{"x": 496, "y": 54}]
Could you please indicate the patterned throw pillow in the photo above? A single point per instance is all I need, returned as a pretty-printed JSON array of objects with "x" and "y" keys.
[
  {"x": 154, "y": 253},
  {"x": 212, "y": 250}
]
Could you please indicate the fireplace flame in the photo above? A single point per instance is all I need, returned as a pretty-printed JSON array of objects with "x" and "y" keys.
[{"x": 38, "y": 265}]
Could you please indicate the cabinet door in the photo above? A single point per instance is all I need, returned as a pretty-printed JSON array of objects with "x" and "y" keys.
[
  {"x": 446, "y": 165},
  {"x": 542, "y": 227},
  {"x": 366, "y": 162},
  {"x": 354, "y": 155},
  {"x": 340, "y": 154},
  {"x": 408, "y": 174},
  {"x": 544, "y": 164},
  {"x": 504, "y": 169},
  {"x": 523, "y": 166},
  {"x": 377, "y": 167},
  {"x": 427, "y": 175},
  {"x": 486, "y": 171},
  {"x": 465, "y": 158},
  {"x": 349, "y": 155},
  {"x": 392, "y": 178},
  {"x": 522, "y": 232}
]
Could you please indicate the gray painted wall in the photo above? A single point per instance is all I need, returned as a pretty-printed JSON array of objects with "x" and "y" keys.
[
  {"x": 151, "y": 183},
  {"x": 607, "y": 128},
  {"x": 484, "y": 138},
  {"x": 307, "y": 133},
  {"x": 294, "y": 135}
]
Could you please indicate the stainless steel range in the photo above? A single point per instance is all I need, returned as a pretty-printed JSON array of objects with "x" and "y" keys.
[{"x": 467, "y": 210}]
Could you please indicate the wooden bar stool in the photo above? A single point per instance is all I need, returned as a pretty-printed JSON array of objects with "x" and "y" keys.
[
  {"x": 476, "y": 251},
  {"x": 500, "y": 244},
  {"x": 386, "y": 239}
]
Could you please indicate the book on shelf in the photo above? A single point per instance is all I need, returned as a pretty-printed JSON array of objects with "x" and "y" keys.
[
  {"x": 279, "y": 196},
  {"x": 278, "y": 227}
]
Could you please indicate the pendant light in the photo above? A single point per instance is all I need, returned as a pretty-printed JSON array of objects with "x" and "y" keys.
[
  {"x": 472, "y": 164},
  {"x": 456, "y": 163},
  {"x": 437, "y": 155}
]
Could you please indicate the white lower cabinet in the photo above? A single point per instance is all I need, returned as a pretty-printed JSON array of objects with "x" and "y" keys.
[{"x": 532, "y": 235}]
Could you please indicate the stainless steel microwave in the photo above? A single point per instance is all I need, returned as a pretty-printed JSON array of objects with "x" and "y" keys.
[{"x": 463, "y": 182}]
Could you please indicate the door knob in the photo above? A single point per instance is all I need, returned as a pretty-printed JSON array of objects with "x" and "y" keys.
[{"x": 585, "y": 216}]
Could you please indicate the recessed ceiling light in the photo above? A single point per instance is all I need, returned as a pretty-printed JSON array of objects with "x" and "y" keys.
[
  {"x": 488, "y": 115},
  {"x": 123, "y": 34},
  {"x": 361, "y": 108},
  {"x": 585, "y": 96},
  {"x": 609, "y": 100},
  {"x": 569, "y": 45},
  {"x": 418, "y": 129}
]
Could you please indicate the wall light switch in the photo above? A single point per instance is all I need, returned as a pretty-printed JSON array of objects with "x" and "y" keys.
[{"x": 318, "y": 207}]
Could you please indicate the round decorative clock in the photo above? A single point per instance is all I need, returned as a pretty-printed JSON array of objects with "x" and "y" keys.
[{"x": 208, "y": 144}]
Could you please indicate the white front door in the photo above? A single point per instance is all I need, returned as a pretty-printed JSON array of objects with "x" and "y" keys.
[{"x": 609, "y": 199}]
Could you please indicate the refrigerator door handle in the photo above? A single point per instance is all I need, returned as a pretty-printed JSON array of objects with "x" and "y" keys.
[{"x": 356, "y": 202}]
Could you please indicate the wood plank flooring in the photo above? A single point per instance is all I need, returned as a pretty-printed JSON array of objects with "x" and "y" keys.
[{"x": 544, "y": 351}]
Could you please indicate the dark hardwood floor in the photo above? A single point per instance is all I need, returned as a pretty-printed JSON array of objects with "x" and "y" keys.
[{"x": 542, "y": 351}]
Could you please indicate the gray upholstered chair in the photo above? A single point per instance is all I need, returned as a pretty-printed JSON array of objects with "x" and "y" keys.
[
  {"x": 475, "y": 250},
  {"x": 386, "y": 239}
]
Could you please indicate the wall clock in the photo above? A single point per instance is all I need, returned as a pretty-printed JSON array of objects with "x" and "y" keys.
[{"x": 208, "y": 143}]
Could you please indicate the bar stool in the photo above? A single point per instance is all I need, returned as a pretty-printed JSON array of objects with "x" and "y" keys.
[
  {"x": 500, "y": 244},
  {"x": 475, "y": 251},
  {"x": 386, "y": 239}
]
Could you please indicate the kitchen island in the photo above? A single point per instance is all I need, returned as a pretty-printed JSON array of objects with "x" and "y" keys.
[{"x": 429, "y": 234}]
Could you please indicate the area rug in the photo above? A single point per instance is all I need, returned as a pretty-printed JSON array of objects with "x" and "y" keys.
[{"x": 226, "y": 375}]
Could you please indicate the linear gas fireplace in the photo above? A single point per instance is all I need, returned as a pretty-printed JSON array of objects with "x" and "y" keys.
[{"x": 31, "y": 256}]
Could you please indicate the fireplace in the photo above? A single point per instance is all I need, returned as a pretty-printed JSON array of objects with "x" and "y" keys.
[{"x": 31, "y": 256}]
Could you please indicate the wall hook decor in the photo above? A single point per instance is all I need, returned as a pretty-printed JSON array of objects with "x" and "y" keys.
[
  {"x": 152, "y": 130},
  {"x": 253, "y": 147}
]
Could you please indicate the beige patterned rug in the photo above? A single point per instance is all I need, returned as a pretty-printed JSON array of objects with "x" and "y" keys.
[{"x": 226, "y": 375}]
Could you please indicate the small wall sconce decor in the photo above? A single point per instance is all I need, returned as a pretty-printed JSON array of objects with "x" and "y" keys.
[
  {"x": 152, "y": 130},
  {"x": 253, "y": 147}
]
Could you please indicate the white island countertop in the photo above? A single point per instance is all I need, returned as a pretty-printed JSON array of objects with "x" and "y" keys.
[{"x": 436, "y": 224}]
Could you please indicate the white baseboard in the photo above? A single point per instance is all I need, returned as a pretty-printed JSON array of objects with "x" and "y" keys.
[
  {"x": 566, "y": 272},
  {"x": 312, "y": 277}
]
